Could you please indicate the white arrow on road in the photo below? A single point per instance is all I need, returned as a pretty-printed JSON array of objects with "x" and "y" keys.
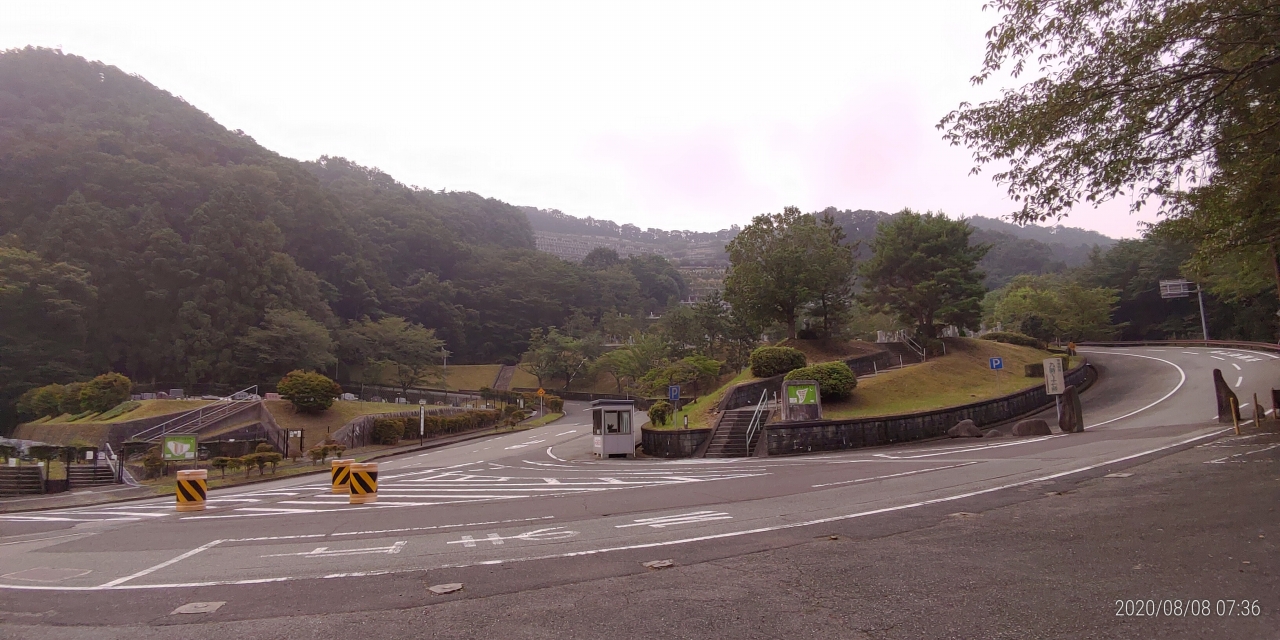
[{"x": 325, "y": 552}]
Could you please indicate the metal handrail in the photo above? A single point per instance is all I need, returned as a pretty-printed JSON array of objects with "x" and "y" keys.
[
  {"x": 755, "y": 419},
  {"x": 182, "y": 419},
  {"x": 915, "y": 347}
]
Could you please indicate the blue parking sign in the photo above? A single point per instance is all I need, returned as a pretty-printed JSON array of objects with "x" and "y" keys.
[
  {"x": 673, "y": 393},
  {"x": 997, "y": 363}
]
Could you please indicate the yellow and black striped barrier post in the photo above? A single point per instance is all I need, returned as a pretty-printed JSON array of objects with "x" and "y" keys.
[
  {"x": 364, "y": 483},
  {"x": 341, "y": 471},
  {"x": 192, "y": 489}
]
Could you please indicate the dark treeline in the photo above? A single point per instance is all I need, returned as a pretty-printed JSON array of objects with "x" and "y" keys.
[{"x": 139, "y": 235}]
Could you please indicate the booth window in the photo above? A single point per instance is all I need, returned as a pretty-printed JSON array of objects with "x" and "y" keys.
[
  {"x": 617, "y": 422},
  {"x": 595, "y": 422}
]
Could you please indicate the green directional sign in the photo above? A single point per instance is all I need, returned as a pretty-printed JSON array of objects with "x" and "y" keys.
[
  {"x": 802, "y": 394},
  {"x": 178, "y": 448}
]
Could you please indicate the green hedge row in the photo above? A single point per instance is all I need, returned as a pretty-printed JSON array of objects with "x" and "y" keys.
[
  {"x": 1009, "y": 337},
  {"x": 390, "y": 431}
]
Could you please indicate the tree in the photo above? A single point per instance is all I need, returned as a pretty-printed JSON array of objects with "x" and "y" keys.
[
  {"x": 628, "y": 363},
  {"x": 41, "y": 401},
  {"x": 410, "y": 351},
  {"x": 694, "y": 374},
  {"x": 1143, "y": 99},
  {"x": 104, "y": 392},
  {"x": 782, "y": 262},
  {"x": 308, "y": 391},
  {"x": 833, "y": 283},
  {"x": 286, "y": 340},
  {"x": 1053, "y": 308},
  {"x": 221, "y": 463},
  {"x": 555, "y": 354},
  {"x": 923, "y": 269}
]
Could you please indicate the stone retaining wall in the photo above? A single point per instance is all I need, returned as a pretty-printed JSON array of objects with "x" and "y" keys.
[
  {"x": 747, "y": 394},
  {"x": 672, "y": 443},
  {"x": 831, "y": 435}
]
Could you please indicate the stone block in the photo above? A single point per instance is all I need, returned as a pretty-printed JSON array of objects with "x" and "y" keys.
[
  {"x": 965, "y": 429},
  {"x": 1033, "y": 427}
]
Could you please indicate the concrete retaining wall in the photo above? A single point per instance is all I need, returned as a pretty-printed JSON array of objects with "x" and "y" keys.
[
  {"x": 673, "y": 443},
  {"x": 831, "y": 435}
]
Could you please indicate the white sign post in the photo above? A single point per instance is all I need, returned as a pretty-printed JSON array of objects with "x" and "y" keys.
[{"x": 1055, "y": 383}]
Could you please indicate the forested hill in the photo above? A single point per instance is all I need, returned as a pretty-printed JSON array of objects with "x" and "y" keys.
[{"x": 137, "y": 234}]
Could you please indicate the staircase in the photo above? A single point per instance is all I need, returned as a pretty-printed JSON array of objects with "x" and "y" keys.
[
  {"x": 729, "y": 440},
  {"x": 503, "y": 381},
  {"x": 17, "y": 481},
  {"x": 87, "y": 475},
  {"x": 901, "y": 349}
]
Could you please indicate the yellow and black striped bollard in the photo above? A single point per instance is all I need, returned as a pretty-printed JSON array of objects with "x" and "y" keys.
[
  {"x": 192, "y": 489},
  {"x": 341, "y": 471},
  {"x": 364, "y": 483}
]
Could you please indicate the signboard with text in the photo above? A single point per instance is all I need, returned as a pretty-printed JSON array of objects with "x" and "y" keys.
[
  {"x": 1055, "y": 383},
  {"x": 178, "y": 448}
]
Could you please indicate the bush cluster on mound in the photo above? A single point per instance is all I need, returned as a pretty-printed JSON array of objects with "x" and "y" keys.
[
  {"x": 660, "y": 413},
  {"x": 767, "y": 362},
  {"x": 836, "y": 380},
  {"x": 1009, "y": 337},
  {"x": 78, "y": 398}
]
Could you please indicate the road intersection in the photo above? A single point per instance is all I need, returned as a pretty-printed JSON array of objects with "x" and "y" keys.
[{"x": 538, "y": 498}]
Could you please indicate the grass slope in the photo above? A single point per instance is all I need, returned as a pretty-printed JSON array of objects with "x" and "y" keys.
[
  {"x": 960, "y": 377},
  {"x": 316, "y": 427}
]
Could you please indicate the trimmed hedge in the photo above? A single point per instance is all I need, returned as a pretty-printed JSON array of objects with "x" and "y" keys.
[
  {"x": 835, "y": 379},
  {"x": 767, "y": 362},
  {"x": 392, "y": 430},
  {"x": 1009, "y": 337}
]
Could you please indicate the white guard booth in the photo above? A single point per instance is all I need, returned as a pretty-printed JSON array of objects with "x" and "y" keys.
[{"x": 612, "y": 433}]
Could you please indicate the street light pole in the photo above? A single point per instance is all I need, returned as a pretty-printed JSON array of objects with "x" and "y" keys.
[{"x": 1204, "y": 326}]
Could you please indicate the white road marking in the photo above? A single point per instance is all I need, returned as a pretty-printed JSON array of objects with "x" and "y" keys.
[
  {"x": 889, "y": 456},
  {"x": 684, "y": 518},
  {"x": 204, "y": 547},
  {"x": 588, "y": 552},
  {"x": 565, "y": 433},
  {"x": 324, "y": 552},
  {"x": 894, "y": 475},
  {"x": 549, "y": 533},
  {"x": 1162, "y": 399},
  {"x": 1236, "y": 366},
  {"x": 1217, "y": 358},
  {"x": 1238, "y": 381}
]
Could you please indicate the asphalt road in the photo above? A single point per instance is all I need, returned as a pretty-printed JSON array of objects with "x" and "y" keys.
[{"x": 525, "y": 512}]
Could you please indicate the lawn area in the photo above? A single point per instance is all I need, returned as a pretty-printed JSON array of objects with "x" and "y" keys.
[
  {"x": 699, "y": 412},
  {"x": 538, "y": 422},
  {"x": 471, "y": 376},
  {"x": 960, "y": 377}
]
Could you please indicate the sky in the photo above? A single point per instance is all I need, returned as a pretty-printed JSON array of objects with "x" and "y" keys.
[{"x": 675, "y": 115}]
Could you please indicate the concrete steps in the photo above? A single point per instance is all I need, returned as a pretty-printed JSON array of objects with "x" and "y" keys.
[
  {"x": 899, "y": 349},
  {"x": 503, "y": 381},
  {"x": 87, "y": 475},
  {"x": 729, "y": 440},
  {"x": 17, "y": 481}
]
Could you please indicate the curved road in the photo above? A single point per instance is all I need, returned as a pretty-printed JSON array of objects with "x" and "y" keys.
[{"x": 533, "y": 509}]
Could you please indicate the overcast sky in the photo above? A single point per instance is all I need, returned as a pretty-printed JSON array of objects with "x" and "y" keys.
[{"x": 677, "y": 115}]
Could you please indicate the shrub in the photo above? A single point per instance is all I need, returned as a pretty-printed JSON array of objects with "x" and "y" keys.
[
  {"x": 309, "y": 392},
  {"x": 41, "y": 401},
  {"x": 272, "y": 458},
  {"x": 152, "y": 462},
  {"x": 387, "y": 430},
  {"x": 660, "y": 412},
  {"x": 767, "y": 362},
  {"x": 264, "y": 447},
  {"x": 835, "y": 379},
  {"x": 1009, "y": 337},
  {"x": 221, "y": 463},
  {"x": 69, "y": 402},
  {"x": 104, "y": 392}
]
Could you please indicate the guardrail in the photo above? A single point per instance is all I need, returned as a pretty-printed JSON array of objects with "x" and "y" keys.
[{"x": 184, "y": 423}]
